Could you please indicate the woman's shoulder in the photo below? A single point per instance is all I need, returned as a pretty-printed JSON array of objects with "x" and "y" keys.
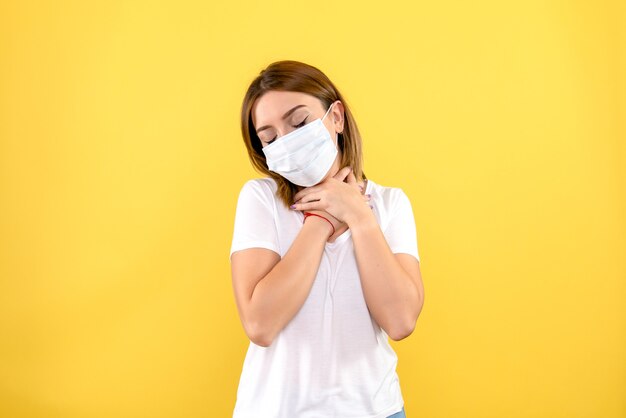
[
  {"x": 388, "y": 198},
  {"x": 262, "y": 182},
  {"x": 387, "y": 193},
  {"x": 265, "y": 186}
]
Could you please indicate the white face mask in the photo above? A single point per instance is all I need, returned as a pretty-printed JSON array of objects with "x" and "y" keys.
[{"x": 303, "y": 156}]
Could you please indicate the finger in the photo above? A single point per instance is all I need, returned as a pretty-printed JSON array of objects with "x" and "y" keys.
[
  {"x": 310, "y": 197},
  {"x": 316, "y": 205},
  {"x": 304, "y": 192},
  {"x": 341, "y": 174}
]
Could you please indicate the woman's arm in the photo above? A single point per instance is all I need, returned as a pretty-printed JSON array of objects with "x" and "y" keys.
[
  {"x": 270, "y": 291},
  {"x": 391, "y": 283}
]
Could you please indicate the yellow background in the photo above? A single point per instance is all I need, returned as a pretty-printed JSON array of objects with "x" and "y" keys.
[{"x": 121, "y": 161}]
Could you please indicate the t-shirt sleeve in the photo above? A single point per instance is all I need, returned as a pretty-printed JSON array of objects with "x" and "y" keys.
[
  {"x": 254, "y": 224},
  {"x": 400, "y": 232}
]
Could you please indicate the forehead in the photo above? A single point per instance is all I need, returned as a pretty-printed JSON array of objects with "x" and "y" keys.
[{"x": 271, "y": 106}]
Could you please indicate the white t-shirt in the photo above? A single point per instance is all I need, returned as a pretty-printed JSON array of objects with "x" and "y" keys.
[{"x": 332, "y": 359}]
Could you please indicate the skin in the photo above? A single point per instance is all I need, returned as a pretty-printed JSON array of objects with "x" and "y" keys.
[
  {"x": 269, "y": 291},
  {"x": 268, "y": 111}
]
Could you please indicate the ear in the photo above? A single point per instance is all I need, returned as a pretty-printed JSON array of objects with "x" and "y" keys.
[{"x": 337, "y": 113}]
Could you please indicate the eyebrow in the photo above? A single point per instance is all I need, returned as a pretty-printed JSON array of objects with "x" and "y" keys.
[{"x": 285, "y": 116}]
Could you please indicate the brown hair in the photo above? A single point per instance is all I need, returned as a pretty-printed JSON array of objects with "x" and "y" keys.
[{"x": 298, "y": 77}]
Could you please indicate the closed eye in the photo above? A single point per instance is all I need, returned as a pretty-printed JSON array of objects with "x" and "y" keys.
[{"x": 300, "y": 125}]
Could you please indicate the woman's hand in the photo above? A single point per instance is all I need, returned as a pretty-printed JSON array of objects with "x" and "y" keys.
[{"x": 343, "y": 200}]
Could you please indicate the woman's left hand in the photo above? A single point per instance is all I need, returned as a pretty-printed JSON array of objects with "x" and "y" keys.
[{"x": 342, "y": 199}]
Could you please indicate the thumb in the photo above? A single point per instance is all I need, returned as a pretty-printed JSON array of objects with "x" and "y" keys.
[{"x": 341, "y": 174}]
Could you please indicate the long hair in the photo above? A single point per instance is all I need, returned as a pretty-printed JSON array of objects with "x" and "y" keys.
[{"x": 296, "y": 76}]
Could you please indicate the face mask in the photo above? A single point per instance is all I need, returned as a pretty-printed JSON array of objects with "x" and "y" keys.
[{"x": 303, "y": 156}]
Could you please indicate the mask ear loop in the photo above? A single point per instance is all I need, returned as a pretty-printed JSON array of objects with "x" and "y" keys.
[
  {"x": 337, "y": 134},
  {"x": 329, "y": 107}
]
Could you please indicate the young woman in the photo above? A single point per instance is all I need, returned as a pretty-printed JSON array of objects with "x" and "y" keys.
[{"x": 324, "y": 261}]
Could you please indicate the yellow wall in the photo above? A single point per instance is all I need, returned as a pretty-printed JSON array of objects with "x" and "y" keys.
[{"x": 121, "y": 161}]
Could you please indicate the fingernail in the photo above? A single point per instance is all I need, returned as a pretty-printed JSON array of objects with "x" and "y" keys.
[{"x": 292, "y": 206}]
